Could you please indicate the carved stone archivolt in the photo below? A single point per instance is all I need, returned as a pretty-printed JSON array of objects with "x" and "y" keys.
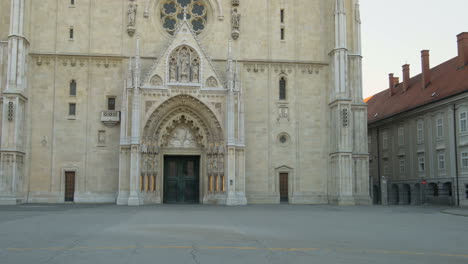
[
  {"x": 184, "y": 66},
  {"x": 196, "y": 115}
]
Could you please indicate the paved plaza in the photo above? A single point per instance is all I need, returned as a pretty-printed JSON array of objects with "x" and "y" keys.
[{"x": 216, "y": 234}]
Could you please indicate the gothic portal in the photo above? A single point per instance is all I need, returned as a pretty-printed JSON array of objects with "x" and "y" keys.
[{"x": 182, "y": 101}]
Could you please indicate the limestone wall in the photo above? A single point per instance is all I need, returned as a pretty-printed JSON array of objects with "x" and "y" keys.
[{"x": 96, "y": 59}]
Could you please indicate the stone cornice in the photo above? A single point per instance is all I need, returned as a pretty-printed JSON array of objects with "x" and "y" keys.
[
  {"x": 321, "y": 63},
  {"x": 454, "y": 99},
  {"x": 77, "y": 59}
]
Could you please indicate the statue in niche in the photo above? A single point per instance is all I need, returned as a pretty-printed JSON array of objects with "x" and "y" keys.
[
  {"x": 173, "y": 71},
  {"x": 132, "y": 9},
  {"x": 156, "y": 81},
  {"x": 211, "y": 82},
  {"x": 215, "y": 165},
  {"x": 195, "y": 71},
  {"x": 210, "y": 164},
  {"x": 184, "y": 65},
  {"x": 235, "y": 19},
  {"x": 221, "y": 164}
]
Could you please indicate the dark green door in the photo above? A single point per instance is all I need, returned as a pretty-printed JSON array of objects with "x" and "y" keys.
[{"x": 181, "y": 179}]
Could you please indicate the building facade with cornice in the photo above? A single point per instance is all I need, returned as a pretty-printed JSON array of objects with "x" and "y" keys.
[
  {"x": 182, "y": 101},
  {"x": 418, "y": 134}
]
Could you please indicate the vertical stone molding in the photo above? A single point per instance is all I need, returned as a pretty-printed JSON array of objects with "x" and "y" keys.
[{"x": 13, "y": 180}]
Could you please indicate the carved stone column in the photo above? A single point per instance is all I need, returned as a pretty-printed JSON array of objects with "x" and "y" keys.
[
  {"x": 235, "y": 195},
  {"x": 13, "y": 142},
  {"x": 134, "y": 198},
  {"x": 340, "y": 187},
  {"x": 124, "y": 158}
]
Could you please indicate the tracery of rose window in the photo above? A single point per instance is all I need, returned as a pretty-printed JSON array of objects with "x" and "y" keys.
[{"x": 173, "y": 12}]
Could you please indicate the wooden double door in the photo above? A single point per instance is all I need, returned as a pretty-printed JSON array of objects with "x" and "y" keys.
[{"x": 181, "y": 179}]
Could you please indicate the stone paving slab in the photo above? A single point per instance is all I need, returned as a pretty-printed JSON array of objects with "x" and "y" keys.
[
  {"x": 218, "y": 234},
  {"x": 457, "y": 211}
]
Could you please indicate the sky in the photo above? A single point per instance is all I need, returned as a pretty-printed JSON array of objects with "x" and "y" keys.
[{"x": 395, "y": 31}]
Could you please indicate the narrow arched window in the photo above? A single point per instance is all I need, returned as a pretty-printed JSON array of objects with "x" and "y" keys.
[
  {"x": 73, "y": 88},
  {"x": 282, "y": 88}
]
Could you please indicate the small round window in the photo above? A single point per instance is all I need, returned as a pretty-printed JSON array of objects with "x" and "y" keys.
[
  {"x": 173, "y": 12},
  {"x": 283, "y": 138}
]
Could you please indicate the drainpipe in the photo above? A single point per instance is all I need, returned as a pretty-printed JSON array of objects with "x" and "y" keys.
[
  {"x": 378, "y": 165},
  {"x": 456, "y": 153}
]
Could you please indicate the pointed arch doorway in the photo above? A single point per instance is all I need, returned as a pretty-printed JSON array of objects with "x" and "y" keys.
[{"x": 187, "y": 139}]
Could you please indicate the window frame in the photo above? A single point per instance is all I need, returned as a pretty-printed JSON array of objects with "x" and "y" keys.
[
  {"x": 464, "y": 158},
  {"x": 386, "y": 169},
  {"x": 72, "y": 109},
  {"x": 71, "y": 33},
  {"x": 283, "y": 84},
  {"x": 72, "y": 88},
  {"x": 441, "y": 160},
  {"x": 402, "y": 163},
  {"x": 440, "y": 128},
  {"x": 385, "y": 139},
  {"x": 421, "y": 164},
  {"x": 109, "y": 98},
  {"x": 463, "y": 122},
  {"x": 420, "y": 131},
  {"x": 401, "y": 136}
]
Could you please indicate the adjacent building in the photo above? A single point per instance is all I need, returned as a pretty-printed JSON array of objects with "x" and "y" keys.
[
  {"x": 182, "y": 101},
  {"x": 418, "y": 134}
]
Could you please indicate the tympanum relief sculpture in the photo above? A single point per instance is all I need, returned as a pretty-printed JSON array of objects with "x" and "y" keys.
[
  {"x": 182, "y": 138},
  {"x": 184, "y": 66}
]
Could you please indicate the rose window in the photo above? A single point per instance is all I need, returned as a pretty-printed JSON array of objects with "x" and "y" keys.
[{"x": 173, "y": 12}]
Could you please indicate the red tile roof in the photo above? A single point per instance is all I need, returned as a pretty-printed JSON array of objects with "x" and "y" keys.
[{"x": 446, "y": 80}]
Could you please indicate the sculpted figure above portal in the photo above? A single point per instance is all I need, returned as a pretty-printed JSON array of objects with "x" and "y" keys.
[
  {"x": 184, "y": 66},
  {"x": 182, "y": 138}
]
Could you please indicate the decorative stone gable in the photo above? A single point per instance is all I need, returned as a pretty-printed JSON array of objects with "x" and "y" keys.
[{"x": 183, "y": 64}]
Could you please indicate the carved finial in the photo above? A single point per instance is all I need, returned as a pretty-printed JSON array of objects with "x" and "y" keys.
[
  {"x": 185, "y": 13},
  {"x": 230, "y": 50},
  {"x": 358, "y": 13}
]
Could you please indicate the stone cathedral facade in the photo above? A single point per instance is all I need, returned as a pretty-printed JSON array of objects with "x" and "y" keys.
[{"x": 182, "y": 101}]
